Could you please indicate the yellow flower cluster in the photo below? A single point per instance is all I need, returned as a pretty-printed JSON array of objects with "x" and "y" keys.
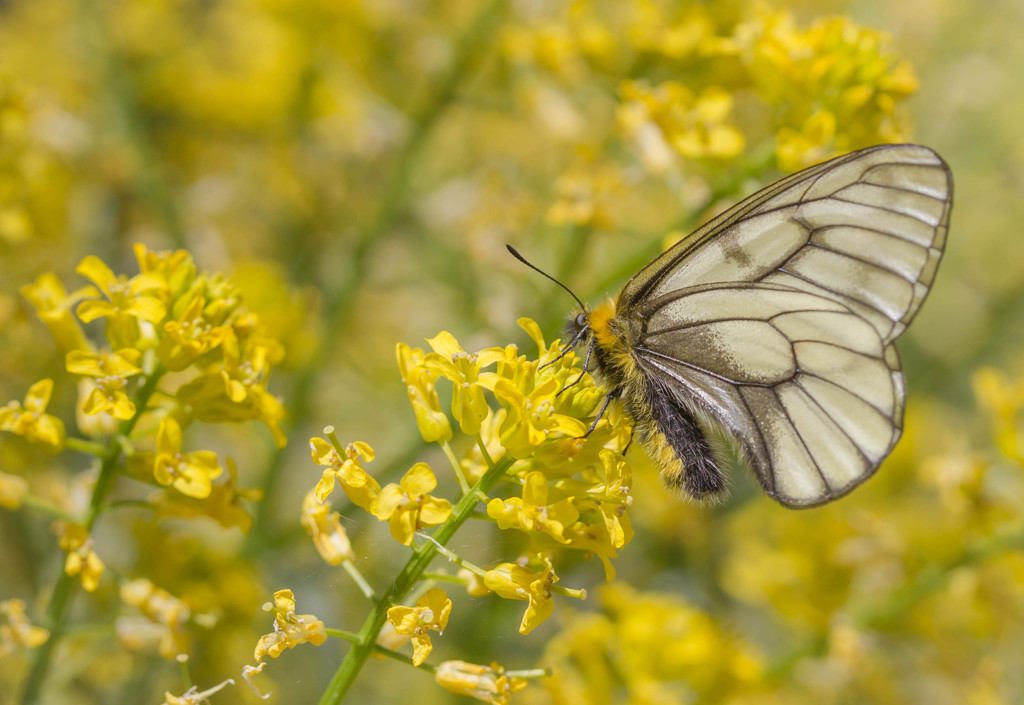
[
  {"x": 490, "y": 684},
  {"x": 430, "y": 614},
  {"x": 290, "y": 629},
  {"x": 32, "y": 182},
  {"x": 82, "y": 560},
  {"x": 166, "y": 319},
  {"x": 356, "y": 167},
  {"x": 558, "y": 476},
  {"x": 834, "y": 87},
  {"x": 665, "y": 650},
  {"x": 177, "y": 347},
  {"x": 698, "y": 84},
  {"x": 16, "y": 631},
  {"x": 164, "y": 619},
  {"x": 671, "y": 117}
]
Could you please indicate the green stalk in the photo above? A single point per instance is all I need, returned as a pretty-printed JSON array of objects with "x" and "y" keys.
[
  {"x": 60, "y": 601},
  {"x": 124, "y": 102},
  {"x": 413, "y": 571}
]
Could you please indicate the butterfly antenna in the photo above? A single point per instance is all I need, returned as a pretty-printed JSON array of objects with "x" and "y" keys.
[{"x": 515, "y": 253}]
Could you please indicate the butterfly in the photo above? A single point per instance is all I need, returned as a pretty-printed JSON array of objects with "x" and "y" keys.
[{"x": 775, "y": 322}]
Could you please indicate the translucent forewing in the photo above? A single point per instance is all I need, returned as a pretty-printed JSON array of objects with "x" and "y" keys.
[{"x": 777, "y": 318}]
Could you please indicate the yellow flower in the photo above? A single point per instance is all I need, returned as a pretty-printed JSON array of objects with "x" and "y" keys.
[
  {"x": 189, "y": 336},
  {"x": 670, "y": 114},
  {"x": 110, "y": 371},
  {"x": 474, "y": 583},
  {"x": 833, "y": 87},
  {"x": 127, "y": 301},
  {"x": 16, "y": 632},
  {"x": 486, "y": 683},
  {"x": 324, "y": 526},
  {"x": 1002, "y": 400},
  {"x": 163, "y": 610},
  {"x": 359, "y": 485},
  {"x": 657, "y": 642},
  {"x": 189, "y": 473},
  {"x": 408, "y": 507},
  {"x": 53, "y": 305},
  {"x": 430, "y": 614},
  {"x": 582, "y": 195},
  {"x": 236, "y": 391},
  {"x": 532, "y": 512},
  {"x": 12, "y": 490},
  {"x": 81, "y": 560},
  {"x": 678, "y": 36},
  {"x": 290, "y": 629},
  {"x": 156, "y": 603},
  {"x": 531, "y": 416},
  {"x": 606, "y": 493},
  {"x": 600, "y": 540},
  {"x": 469, "y": 406},
  {"x": 813, "y": 143},
  {"x": 193, "y": 696},
  {"x": 419, "y": 385},
  {"x": 516, "y": 582},
  {"x": 31, "y": 420},
  {"x": 223, "y": 504},
  {"x": 175, "y": 269}
]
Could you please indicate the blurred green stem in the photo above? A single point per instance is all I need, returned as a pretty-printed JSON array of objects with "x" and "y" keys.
[
  {"x": 60, "y": 601},
  {"x": 125, "y": 105},
  {"x": 340, "y": 300},
  {"x": 84, "y": 446},
  {"x": 413, "y": 571}
]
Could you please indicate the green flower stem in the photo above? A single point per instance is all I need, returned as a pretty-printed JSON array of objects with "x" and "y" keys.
[
  {"x": 84, "y": 446},
  {"x": 454, "y": 557},
  {"x": 354, "y": 573},
  {"x": 350, "y": 637},
  {"x": 456, "y": 467},
  {"x": 56, "y": 612},
  {"x": 413, "y": 571},
  {"x": 530, "y": 673},
  {"x": 483, "y": 451},
  {"x": 124, "y": 103},
  {"x": 339, "y": 301},
  {"x": 444, "y": 578},
  {"x": 578, "y": 593},
  {"x": 45, "y": 507},
  {"x": 353, "y": 638},
  {"x": 186, "y": 677}
]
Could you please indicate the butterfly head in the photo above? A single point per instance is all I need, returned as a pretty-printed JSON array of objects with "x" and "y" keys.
[
  {"x": 605, "y": 326},
  {"x": 577, "y": 325}
]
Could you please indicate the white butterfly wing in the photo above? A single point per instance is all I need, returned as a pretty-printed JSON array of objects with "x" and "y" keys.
[
  {"x": 778, "y": 317},
  {"x": 867, "y": 228}
]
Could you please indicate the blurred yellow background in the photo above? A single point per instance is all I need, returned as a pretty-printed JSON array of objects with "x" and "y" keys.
[{"x": 357, "y": 169}]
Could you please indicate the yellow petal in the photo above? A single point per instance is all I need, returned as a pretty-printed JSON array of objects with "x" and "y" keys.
[
  {"x": 444, "y": 343},
  {"x": 94, "y": 269},
  {"x": 168, "y": 436},
  {"x": 419, "y": 480}
]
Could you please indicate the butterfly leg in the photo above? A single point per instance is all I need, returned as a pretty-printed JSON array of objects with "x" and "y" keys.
[
  {"x": 586, "y": 366},
  {"x": 604, "y": 407}
]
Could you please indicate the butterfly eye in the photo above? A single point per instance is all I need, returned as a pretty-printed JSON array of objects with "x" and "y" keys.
[{"x": 581, "y": 321}]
